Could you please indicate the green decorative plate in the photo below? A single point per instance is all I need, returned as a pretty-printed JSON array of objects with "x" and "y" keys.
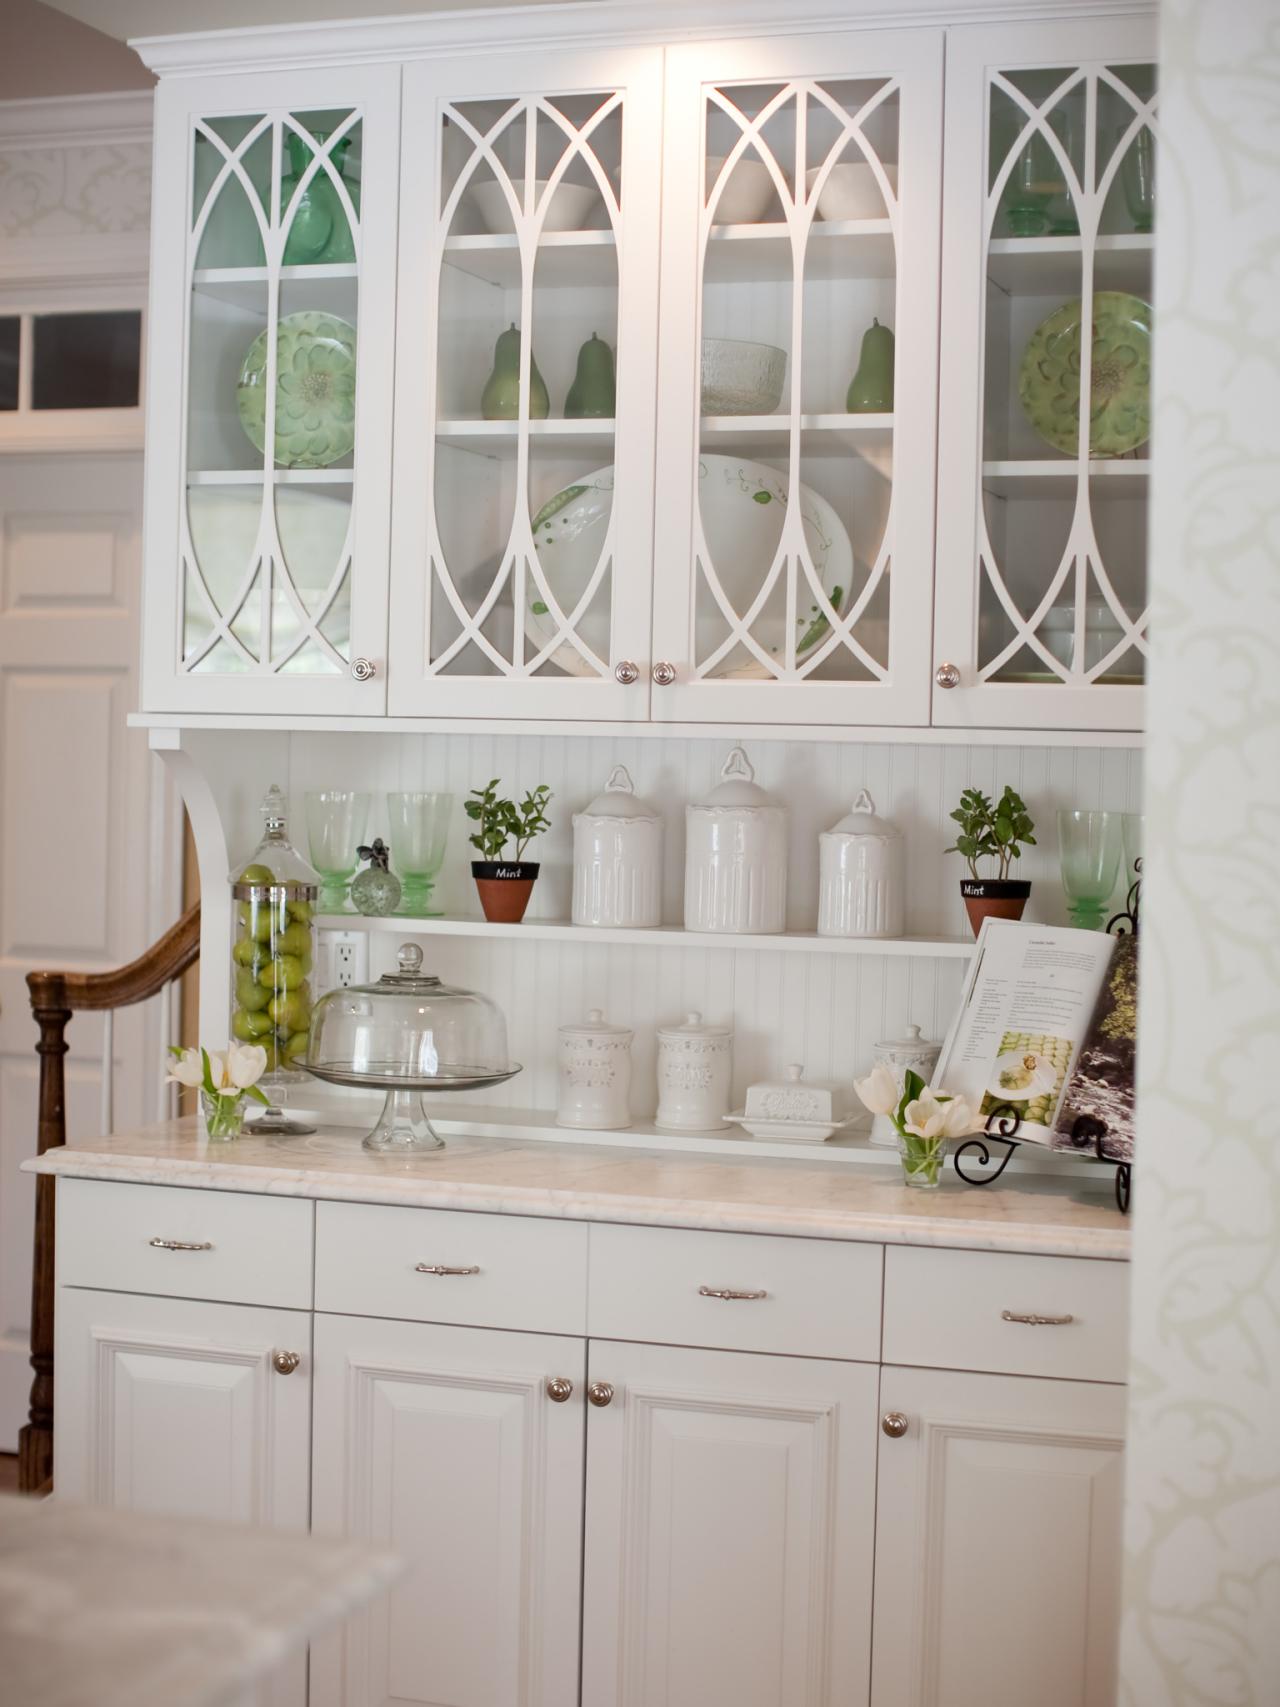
[
  {"x": 315, "y": 390},
  {"x": 1120, "y": 386}
]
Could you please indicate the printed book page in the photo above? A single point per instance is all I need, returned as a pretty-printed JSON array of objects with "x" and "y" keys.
[{"x": 1026, "y": 1006}]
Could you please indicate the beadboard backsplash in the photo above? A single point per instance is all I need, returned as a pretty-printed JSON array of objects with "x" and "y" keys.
[{"x": 825, "y": 1010}]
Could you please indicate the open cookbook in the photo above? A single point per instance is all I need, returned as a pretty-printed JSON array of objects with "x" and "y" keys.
[{"x": 1029, "y": 1016}]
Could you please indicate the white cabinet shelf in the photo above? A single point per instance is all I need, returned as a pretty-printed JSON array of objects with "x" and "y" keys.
[
  {"x": 502, "y": 438},
  {"x": 1051, "y": 266},
  {"x": 1050, "y": 478},
  {"x": 663, "y": 936},
  {"x": 764, "y": 435},
  {"x": 564, "y": 258},
  {"x": 281, "y": 476},
  {"x": 836, "y": 249}
]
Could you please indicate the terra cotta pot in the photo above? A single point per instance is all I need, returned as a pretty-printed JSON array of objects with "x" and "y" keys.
[
  {"x": 504, "y": 887},
  {"x": 993, "y": 898}
]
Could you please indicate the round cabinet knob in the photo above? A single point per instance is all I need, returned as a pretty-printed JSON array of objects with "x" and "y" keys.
[
  {"x": 663, "y": 675},
  {"x": 363, "y": 669},
  {"x": 894, "y": 1424},
  {"x": 947, "y": 676},
  {"x": 285, "y": 1362},
  {"x": 559, "y": 1388},
  {"x": 600, "y": 1393},
  {"x": 626, "y": 672}
]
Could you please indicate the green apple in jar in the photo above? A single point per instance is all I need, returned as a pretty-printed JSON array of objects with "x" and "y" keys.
[
  {"x": 250, "y": 954},
  {"x": 256, "y": 874},
  {"x": 296, "y": 1048},
  {"x": 301, "y": 911},
  {"x": 291, "y": 1011},
  {"x": 249, "y": 992},
  {"x": 282, "y": 972},
  {"x": 295, "y": 939},
  {"x": 251, "y": 1026}
]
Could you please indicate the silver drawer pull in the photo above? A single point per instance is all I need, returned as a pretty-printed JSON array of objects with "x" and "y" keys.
[
  {"x": 178, "y": 1245},
  {"x": 440, "y": 1268},
  {"x": 727, "y": 1292},
  {"x": 1036, "y": 1321}
]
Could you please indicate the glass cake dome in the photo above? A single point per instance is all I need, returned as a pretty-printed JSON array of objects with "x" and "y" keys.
[{"x": 407, "y": 1034}]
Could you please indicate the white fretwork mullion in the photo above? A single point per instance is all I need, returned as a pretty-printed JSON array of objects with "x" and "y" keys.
[
  {"x": 528, "y": 240},
  {"x": 798, "y": 216},
  {"x": 1082, "y": 522}
]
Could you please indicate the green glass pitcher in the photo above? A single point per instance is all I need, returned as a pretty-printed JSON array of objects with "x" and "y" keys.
[{"x": 319, "y": 230}]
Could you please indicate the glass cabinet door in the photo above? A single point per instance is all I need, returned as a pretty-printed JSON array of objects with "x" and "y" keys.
[
  {"x": 1047, "y": 269},
  {"x": 794, "y": 532},
  {"x": 269, "y": 430},
  {"x": 525, "y": 386}
]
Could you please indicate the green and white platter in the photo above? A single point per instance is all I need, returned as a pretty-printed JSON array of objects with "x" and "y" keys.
[
  {"x": 1120, "y": 382},
  {"x": 315, "y": 390}
]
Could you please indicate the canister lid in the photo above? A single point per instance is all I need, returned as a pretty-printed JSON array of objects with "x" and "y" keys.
[
  {"x": 693, "y": 1027},
  {"x": 619, "y": 799},
  {"x": 738, "y": 786},
  {"x": 913, "y": 1042},
  {"x": 595, "y": 1025},
  {"x": 861, "y": 820}
]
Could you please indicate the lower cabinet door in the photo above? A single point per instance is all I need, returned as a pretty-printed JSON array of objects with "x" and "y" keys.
[
  {"x": 446, "y": 1445},
  {"x": 730, "y": 1516},
  {"x": 997, "y": 1541}
]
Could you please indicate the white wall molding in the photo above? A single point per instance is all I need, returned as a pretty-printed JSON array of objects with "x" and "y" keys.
[
  {"x": 76, "y": 121},
  {"x": 82, "y": 263}
]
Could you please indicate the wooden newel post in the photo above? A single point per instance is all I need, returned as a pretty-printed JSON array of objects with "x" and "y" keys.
[{"x": 35, "y": 1442}]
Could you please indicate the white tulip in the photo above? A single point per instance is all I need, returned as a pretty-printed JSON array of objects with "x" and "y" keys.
[
  {"x": 879, "y": 1090},
  {"x": 926, "y": 1117},
  {"x": 186, "y": 1069},
  {"x": 960, "y": 1120},
  {"x": 218, "y": 1070},
  {"x": 244, "y": 1066}
]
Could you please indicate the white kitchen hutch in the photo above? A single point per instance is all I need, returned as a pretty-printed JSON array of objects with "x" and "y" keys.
[{"x": 539, "y": 590}]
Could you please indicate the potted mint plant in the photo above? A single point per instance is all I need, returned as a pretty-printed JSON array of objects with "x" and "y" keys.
[
  {"x": 998, "y": 832},
  {"x": 505, "y": 881}
]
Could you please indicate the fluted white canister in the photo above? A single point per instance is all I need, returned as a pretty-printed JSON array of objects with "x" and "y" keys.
[
  {"x": 595, "y": 1075},
  {"x": 898, "y": 1054},
  {"x": 617, "y": 858},
  {"x": 861, "y": 875},
  {"x": 695, "y": 1069},
  {"x": 735, "y": 863}
]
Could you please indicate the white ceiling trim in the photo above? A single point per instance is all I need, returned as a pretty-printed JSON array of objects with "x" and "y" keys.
[
  {"x": 81, "y": 264},
  {"x": 76, "y": 121},
  {"x": 359, "y": 40}
]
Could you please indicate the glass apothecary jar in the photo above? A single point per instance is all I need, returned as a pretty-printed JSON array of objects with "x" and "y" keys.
[{"x": 273, "y": 898}]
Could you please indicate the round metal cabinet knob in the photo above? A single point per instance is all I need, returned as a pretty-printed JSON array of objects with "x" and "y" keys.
[
  {"x": 663, "y": 675},
  {"x": 363, "y": 669},
  {"x": 894, "y": 1424},
  {"x": 285, "y": 1362},
  {"x": 947, "y": 676},
  {"x": 600, "y": 1393},
  {"x": 626, "y": 672},
  {"x": 559, "y": 1388}
]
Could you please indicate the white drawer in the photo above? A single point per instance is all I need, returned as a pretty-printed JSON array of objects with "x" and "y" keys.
[
  {"x": 182, "y": 1242},
  {"x": 969, "y": 1310},
  {"x": 511, "y": 1271},
  {"x": 820, "y": 1298}
]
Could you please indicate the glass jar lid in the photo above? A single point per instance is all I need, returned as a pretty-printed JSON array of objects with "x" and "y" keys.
[{"x": 275, "y": 863}]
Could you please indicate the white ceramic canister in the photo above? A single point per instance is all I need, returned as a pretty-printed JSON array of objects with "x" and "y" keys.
[
  {"x": 897, "y": 1054},
  {"x": 695, "y": 1065},
  {"x": 735, "y": 862},
  {"x": 617, "y": 858},
  {"x": 861, "y": 878},
  {"x": 595, "y": 1075}
]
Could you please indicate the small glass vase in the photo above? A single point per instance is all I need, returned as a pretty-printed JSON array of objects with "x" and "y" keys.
[
  {"x": 223, "y": 1116},
  {"x": 922, "y": 1160}
]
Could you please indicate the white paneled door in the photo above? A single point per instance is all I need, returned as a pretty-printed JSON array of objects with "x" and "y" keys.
[
  {"x": 448, "y": 1446},
  {"x": 730, "y": 1514},
  {"x": 87, "y": 865},
  {"x": 972, "y": 1607}
]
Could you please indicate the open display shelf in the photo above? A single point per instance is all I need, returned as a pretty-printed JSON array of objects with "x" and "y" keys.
[
  {"x": 1050, "y": 266},
  {"x": 1045, "y": 477}
]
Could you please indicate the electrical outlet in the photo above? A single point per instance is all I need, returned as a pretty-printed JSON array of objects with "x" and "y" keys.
[{"x": 342, "y": 959}]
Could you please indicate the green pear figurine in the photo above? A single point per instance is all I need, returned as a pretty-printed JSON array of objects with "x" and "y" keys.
[
  {"x": 500, "y": 399},
  {"x": 871, "y": 389},
  {"x": 593, "y": 391}
]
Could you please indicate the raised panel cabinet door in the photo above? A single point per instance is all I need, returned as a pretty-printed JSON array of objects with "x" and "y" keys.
[
  {"x": 730, "y": 1511},
  {"x": 798, "y": 392},
  {"x": 526, "y": 385},
  {"x": 448, "y": 1446},
  {"x": 1050, "y": 222},
  {"x": 269, "y": 392},
  {"x": 997, "y": 1541}
]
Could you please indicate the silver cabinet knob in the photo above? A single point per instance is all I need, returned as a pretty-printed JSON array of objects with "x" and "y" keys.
[
  {"x": 663, "y": 675},
  {"x": 559, "y": 1388},
  {"x": 626, "y": 672},
  {"x": 600, "y": 1394},
  {"x": 285, "y": 1362},
  {"x": 947, "y": 676},
  {"x": 894, "y": 1424},
  {"x": 363, "y": 669}
]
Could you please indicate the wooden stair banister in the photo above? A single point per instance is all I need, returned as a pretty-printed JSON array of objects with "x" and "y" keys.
[{"x": 55, "y": 996}]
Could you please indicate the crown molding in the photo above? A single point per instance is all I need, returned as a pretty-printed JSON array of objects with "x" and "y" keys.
[
  {"x": 364, "y": 40},
  {"x": 76, "y": 121},
  {"x": 82, "y": 264}
]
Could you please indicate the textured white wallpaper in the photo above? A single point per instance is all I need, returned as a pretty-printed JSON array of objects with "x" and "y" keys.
[
  {"x": 1202, "y": 1585},
  {"x": 58, "y": 192}
]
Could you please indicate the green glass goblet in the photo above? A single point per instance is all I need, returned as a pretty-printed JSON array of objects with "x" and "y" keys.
[
  {"x": 1089, "y": 846},
  {"x": 1035, "y": 180},
  {"x": 337, "y": 820},
  {"x": 419, "y": 820},
  {"x": 1138, "y": 175}
]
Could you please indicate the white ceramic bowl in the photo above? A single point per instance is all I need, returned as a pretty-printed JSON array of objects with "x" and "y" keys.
[
  {"x": 740, "y": 378},
  {"x": 571, "y": 205},
  {"x": 745, "y": 197},
  {"x": 852, "y": 190}
]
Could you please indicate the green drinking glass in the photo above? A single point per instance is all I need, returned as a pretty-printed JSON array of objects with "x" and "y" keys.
[
  {"x": 1138, "y": 176},
  {"x": 1089, "y": 846},
  {"x": 337, "y": 820},
  {"x": 1032, "y": 185},
  {"x": 1131, "y": 838},
  {"x": 419, "y": 820}
]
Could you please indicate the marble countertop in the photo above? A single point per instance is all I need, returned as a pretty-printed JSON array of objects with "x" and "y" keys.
[
  {"x": 1054, "y": 1215},
  {"x": 103, "y": 1608}
]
